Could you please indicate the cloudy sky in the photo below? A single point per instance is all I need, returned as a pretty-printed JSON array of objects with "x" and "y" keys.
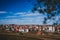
[{"x": 19, "y": 12}]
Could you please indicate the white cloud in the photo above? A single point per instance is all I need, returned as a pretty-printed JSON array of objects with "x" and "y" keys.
[
  {"x": 27, "y": 14},
  {"x": 11, "y": 16},
  {"x": 32, "y": 14},
  {"x": 21, "y": 21},
  {"x": 26, "y": 18},
  {"x": 10, "y": 21},
  {"x": 2, "y": 12},
  {"x": 20, "y": 13}
]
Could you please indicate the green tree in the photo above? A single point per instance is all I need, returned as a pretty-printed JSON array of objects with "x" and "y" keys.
[{"x": 49, "y": 7}]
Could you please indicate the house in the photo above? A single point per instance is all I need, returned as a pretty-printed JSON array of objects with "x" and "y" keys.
[
  {"x": 26, "y": 30},
  {"x": 40, "y": 28},
  {"x": 21, "y": 29},
  {"x": 58, "y": 28},
  {"x": 48, "y": 28},
  {"x": 16, "y": 29},
  {"x": 7, "y": 28}
]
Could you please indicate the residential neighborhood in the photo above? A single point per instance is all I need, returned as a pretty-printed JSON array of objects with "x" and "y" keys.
[{"x": 29, "y": 28}]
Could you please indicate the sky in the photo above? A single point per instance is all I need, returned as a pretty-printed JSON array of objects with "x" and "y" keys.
[{"x": 19, "y": 12}]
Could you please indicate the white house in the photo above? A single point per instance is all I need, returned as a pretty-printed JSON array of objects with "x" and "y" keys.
[
  {"x": 26, "y": 30},
  {"x": 49, "y": 28},
  {"x": 21, "y": 30}
]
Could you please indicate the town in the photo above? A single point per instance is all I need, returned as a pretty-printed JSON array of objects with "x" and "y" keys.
[
  {"x": 29, "y": 32},
  {"x": 29, "y": 28}
]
